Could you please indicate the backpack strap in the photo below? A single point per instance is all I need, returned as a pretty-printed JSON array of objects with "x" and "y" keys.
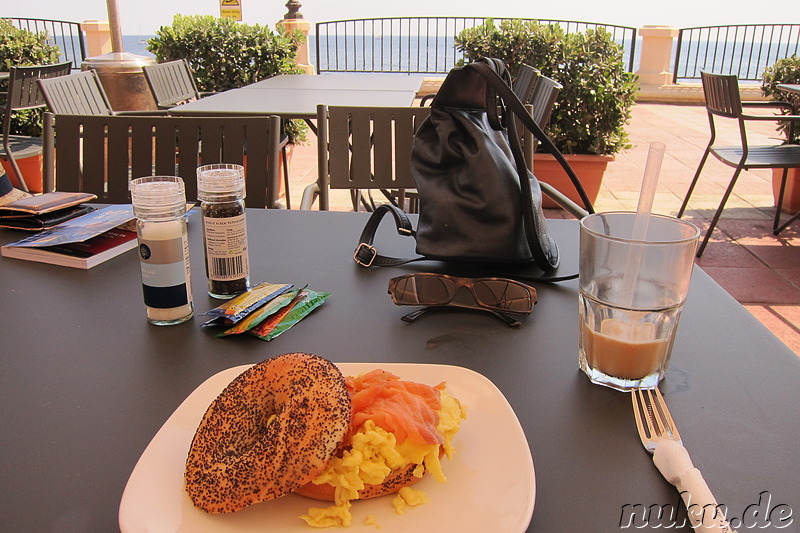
[{"x": 366, "y": 254}]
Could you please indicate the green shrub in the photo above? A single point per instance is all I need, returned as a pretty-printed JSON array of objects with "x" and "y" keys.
[
  {"x": 786, "y": 70},
  {"x": 225, "y": 54},
  {"x": 595, "y": 104},
  {"x": 19, "y": 48}
]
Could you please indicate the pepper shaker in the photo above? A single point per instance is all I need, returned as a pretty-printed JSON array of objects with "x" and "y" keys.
[
  {"x": 159, "y": 204},
  {"x": 220, "y": 189}
]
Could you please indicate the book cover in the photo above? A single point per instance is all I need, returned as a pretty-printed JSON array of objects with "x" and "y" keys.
[
  {"x": 85, "y": 254},
  {"x": 82, "y": 242}
]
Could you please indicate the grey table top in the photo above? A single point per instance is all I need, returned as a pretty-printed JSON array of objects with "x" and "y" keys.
[
  {"x": 342, "y": 81},
  {"x": 86, "y": 382},
  {"x": 298, "y": 96},
  {"x": 791, "y": 87}
]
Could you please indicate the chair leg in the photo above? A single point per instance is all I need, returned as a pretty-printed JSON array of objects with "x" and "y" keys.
[
  {"x": 777, "y": 227},
  {"x": 285, "y": 160},
  {"x": 16, "y": 169},
  {"x": 719, "y": 210},
  {"x": 692, "y": 185}
]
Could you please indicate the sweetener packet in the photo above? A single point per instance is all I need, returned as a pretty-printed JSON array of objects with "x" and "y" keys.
[
  {"x": 255, "y": 318},
  {"x": 306, "y": 301},
  {"x": 239, "y": 307}
]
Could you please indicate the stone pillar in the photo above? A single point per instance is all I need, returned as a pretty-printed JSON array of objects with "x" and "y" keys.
[
  {"x": 656, "y": 58},
  {"x": 292, "y": 21},
  {"x": 98, "y": 37}
]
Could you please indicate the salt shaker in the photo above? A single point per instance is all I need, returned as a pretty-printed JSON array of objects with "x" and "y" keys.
[
  {"x": 159, "y": 204},
  {"x": 220, "y": 189}
]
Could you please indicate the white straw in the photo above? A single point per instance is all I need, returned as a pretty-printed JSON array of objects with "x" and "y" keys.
[{"x": 649, "y": 181}]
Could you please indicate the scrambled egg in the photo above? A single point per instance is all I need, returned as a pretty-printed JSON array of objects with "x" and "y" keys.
[
  {"x": 374, "y": 454},
  {"x": 408, "y": 497}
]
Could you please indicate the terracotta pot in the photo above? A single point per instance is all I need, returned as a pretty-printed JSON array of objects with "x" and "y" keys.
[
  {"x": 791, "y": 196},
  {"x": 589, "y": 169},
  {"x": 31, "y": 168}
]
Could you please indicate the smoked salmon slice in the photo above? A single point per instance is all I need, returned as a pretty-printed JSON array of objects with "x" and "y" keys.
[{"x": 406, "y": 409}]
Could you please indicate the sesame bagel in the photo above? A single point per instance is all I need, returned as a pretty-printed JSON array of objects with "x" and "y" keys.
[{"x": 270, "y": 431}]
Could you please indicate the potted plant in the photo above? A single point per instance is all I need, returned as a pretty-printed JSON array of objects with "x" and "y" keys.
[
  {"x": 786, "y": 70},
  {"x": 589, "y": 118},
  {"x": 225, "y": 54}
]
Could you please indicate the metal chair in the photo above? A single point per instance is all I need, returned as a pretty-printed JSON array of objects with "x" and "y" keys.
[
  {"x": 100, "y": 154},
  {"x": 724, "y": 101},
  {"x": 540, "y": 102},
  {"x": 172, "y": 83},
  {"x": 363, "y": 148},
  {"x": 23, "y": 93},
  {"x": 77, "y": 94}
]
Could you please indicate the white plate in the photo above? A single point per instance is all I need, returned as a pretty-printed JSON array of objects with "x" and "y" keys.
[{"x": 490, "y": 480}]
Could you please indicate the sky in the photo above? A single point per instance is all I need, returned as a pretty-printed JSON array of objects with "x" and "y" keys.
[{"x": 144, "y": 17}]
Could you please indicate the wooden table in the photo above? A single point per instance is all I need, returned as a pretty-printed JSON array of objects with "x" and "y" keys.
[{"x": 85, "y": 382}]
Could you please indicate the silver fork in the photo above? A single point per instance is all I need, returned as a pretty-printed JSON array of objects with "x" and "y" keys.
[{"x": 660, "y": 437}]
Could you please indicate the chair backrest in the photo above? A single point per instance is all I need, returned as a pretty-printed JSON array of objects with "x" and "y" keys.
[
  {"x": 171, "y": 83},
  {"x": 366, "y": 147},
  {"x": 77, "y": 94},
  {"x": 722, "y": 96},
  {"x": 526, "y": 81},
  {"x": 23, "y": 91},
  {"x": 540, "y": 105},
  {"x": 543, "y": 99},
  {"x": 100, "y": 154}
]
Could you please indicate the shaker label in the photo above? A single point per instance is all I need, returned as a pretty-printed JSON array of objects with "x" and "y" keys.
[
  {"x": 165, "y": 274},
  {"x": 226, "y": 248}
]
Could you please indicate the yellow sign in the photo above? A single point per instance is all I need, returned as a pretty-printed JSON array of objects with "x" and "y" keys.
[{"x": 231, "y": 9}]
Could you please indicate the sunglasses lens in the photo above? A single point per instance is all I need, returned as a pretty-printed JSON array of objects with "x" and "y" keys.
[
  {"x": 423, "y": 290},
  {"x": 503, "y": 296}
]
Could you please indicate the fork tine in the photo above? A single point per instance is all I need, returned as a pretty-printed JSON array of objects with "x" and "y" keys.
[
  {"x": 640, "y": 412},
  {"x": 670, "y": 427}
]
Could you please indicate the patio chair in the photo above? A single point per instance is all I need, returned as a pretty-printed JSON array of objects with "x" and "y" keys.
[
  {"x": 364, "y": 148},
  {"x": 540, "y": 103},
  {"x": 172, "y": 83},
  {"x": 100, "y": 154},
  {"x": 82, "y": 93},
  {"x": 23, "y": 93},
  {"x": 724, "y": 101}
]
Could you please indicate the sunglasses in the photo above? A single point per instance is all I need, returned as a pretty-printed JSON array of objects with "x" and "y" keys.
[{"x": 438, "y": 290}]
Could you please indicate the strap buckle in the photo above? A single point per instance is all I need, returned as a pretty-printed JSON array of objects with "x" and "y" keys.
[{"x": 366, "y": 248}]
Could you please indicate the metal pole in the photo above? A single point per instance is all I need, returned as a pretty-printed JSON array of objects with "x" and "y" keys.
[{"x": 116, "y": 27}]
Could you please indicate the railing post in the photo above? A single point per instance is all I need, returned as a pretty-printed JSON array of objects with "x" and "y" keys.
[
  {"x": 656, "y": 58},
  {"x": 98, "y": 37},
  {"x": 292, "y": 21}
]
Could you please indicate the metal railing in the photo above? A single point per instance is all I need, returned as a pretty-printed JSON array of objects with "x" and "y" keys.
[
  {"x": 744, "y": 50},
  {"x": 64, "y": 34},
  {"x": 420, "y": 45}
]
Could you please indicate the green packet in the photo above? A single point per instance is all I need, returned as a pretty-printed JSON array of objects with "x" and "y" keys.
[
  {"x": 262, "y": 313},
  {"x": 239, "y": 307},
  {"x": 306, "y": 302}
]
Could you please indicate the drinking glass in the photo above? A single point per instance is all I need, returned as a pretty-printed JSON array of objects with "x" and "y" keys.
[{"x": 631, "y": 296}]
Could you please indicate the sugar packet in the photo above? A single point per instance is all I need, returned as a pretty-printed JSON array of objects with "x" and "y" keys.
[
  {"x": 239, "y": 307},
  {"x": 305, "y": 302},
  {"x": 255, "y": 318}
]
